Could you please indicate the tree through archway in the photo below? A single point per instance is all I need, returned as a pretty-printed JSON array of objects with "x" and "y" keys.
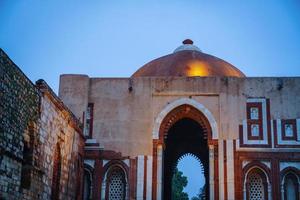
[{"x": 183, "y": 137}]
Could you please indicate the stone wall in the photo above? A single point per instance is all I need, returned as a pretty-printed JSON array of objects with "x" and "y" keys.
[
  {"x": 125, "y": 109},
  {"x": 59, "y": 126},
  {"x": 19, "y": 106},
  {"x": 34, "y": 122}
]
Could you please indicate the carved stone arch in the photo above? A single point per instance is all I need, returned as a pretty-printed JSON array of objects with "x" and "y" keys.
[
  {"x": 293, "y": 174},
  {"x": 175, "y": 111},
  {"x": 189, "y": 154},
  {"x": 88, "y": 182},
  {"x": 207, "y": 115},
  {"x": 108, "y": 169},
  {"x": 287, "y": 170},
  {"x": 256, "y": 167},
  {"x": 88, "y": 167},
  {"x": 184, "y": 111},
  {"x": 259, "y": 165}
]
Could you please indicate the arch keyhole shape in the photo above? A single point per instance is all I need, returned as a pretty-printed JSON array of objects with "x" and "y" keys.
[{"x": 186, "y": 136}]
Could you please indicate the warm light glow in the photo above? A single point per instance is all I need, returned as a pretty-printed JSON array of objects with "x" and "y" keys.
[{"x": 197, "y": 68}]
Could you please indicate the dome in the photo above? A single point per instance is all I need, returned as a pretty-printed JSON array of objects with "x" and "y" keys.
[{"x": 187, "y": 61}]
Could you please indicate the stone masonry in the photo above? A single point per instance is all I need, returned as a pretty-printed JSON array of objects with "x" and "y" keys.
[
  {"x": 34, "y": 123},
  {"x": 19, "y": 106}
]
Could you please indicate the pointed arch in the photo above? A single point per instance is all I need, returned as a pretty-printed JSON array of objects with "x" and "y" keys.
[
  {"x": 184, "y": 108},
  {"x": 290, "y": 183},
  {"x": 115, "y": 181},
  {"x": 256, "y": 176},
  {"x": 88, "y": 182},
  {"x": 182, "y": 101}
]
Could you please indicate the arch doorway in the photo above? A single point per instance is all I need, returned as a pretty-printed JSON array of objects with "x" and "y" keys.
[
  {"x": 184, "y": 137},
  {"x": 184, "y": 130}
]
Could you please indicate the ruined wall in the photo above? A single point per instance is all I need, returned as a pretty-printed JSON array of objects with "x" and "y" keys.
[
  {"x": 19, "y": 106},
  {"x": 34, "y": 122},
  {"x": 59, "y": 127}
]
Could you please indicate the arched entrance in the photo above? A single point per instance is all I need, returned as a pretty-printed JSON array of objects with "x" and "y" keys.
[
  {"x": 184, "y": 137},
  {"x": 184, "y": 129}
]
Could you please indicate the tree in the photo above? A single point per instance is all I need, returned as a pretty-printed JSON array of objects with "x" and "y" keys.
[
  {"x": 201, "y": 195},
  {"x": 179, "y": 182}
]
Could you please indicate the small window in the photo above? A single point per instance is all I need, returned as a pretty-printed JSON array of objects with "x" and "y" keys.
[
  {"x": 289, "y": 130},
  {"x": 255, "y": 130},
  {"x": 116, "y": 184},
  {"x": 291, "y": 190},
  {"x": 254, "y": 121},
  {"x": 87, "y": 186},
  {"x": 254, "y": 113},
  {"x": 256, "y": 185},
  {"x": 88, "y": 130}
]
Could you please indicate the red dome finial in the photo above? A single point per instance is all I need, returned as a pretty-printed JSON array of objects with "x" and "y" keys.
[{"x": 187, "y": 41}]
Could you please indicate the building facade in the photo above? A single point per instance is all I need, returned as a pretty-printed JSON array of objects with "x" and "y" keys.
[{"x": 244, "y": 130}]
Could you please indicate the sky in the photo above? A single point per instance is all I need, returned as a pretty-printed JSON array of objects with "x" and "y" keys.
[
  {"x": 192, "y": 169},
  {"x": 115, "y": 38}
]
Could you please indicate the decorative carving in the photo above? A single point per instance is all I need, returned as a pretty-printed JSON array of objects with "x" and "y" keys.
[
  {"x": 288, "y": 135},
  {"x": 89, "y": 115},
  {"x": 289, "y": 130},
  {"x": 256, "y": 187},
  {"x": 117, "y": 185},
  {"x": 254, "y": 130},
  {"x": 254, "y": 113},
  {"x": 184, "y": 111}
]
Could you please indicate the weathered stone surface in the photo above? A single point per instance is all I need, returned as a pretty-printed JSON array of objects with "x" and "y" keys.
[
  {"x": 19, "y": 106},
  {"x": 124, "y": 120},
  {"x": 33, "y": 121}
]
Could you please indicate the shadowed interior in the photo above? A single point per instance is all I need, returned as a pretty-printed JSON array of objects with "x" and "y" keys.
[{"x": 184, "y": 137}]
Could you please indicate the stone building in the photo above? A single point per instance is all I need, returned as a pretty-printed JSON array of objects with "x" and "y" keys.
[
  {"x": 41, "y": 141},
  {"x": 244, "y": 130}
]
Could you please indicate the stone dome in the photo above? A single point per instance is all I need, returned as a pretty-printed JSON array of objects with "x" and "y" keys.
[{"x": 187, "y": 61}]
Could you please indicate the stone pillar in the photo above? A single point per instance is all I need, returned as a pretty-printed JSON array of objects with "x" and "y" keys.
[
  {"x": 230, "y": 169},
  {"x": 149, "y": 178},
  {"x": 159, "y": 171},
  {"x": 211, "y": 171},
  {"x": 221, "y": 168},
  {"x": 140, "y": 178}
]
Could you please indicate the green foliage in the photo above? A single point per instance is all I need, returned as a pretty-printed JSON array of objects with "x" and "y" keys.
[
  {"x": 201, "y": 195},
  {"x": 179, "y": 182}
]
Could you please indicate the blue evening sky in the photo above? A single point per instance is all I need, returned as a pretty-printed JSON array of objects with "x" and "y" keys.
[
  {"x": 191, "y": 168},
  {"x": 114, "y": 38}
]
